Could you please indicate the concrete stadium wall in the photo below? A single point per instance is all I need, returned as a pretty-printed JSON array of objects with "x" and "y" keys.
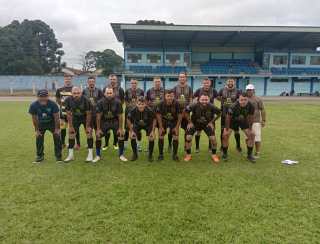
[{"x": 40, "y": 82}]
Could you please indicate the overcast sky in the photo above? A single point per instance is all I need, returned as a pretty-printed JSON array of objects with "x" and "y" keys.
[{"x": 85, "y": 25}]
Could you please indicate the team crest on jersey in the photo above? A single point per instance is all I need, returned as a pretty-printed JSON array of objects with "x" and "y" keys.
[
  {"x": 169, "y": 116},
  {"x": 141, "y": 123},
  {"x": 182, "y": 99},
  {"x": 109, "y": 115}
]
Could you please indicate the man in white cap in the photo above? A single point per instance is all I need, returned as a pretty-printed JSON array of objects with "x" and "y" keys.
[{"x": 259, "y": 119}]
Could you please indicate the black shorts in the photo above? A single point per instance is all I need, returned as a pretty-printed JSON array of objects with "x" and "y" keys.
[
  {"x": 169, "y": 125},
  {"x": 243, "y": 125},
  {"x": 110, "y": 125},
  {"x": 78, "y": 122},
  {"x": 207, "y": 129},
  {"x": 94, "y": 122},
  {"x": 138, "y": 129}
]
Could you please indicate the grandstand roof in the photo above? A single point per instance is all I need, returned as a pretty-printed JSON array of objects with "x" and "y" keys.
[{"x": 217, "y": 36}]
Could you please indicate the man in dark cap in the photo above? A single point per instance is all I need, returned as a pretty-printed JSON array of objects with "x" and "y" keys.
[{"x": 45, "y": 116}]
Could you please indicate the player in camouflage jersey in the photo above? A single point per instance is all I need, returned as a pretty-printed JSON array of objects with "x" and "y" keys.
[
  {"x": 78, "y": 113},
  {"x": 227, "y": 96},
  {"x": 131, "y": 96},
  {"x": 118, "y": 93},
  {"x": 239, "y": 115},
  {"x": 61, "y": 94},
  {"x": 169, "y": 116},
  {"x": 183, "y": 95},
  {"x": 208, "y": 90}
]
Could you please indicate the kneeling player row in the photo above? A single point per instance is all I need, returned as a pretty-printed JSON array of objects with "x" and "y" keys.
[{"x": 167, "y": 115}]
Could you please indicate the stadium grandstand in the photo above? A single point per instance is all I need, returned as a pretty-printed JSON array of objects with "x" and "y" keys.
[{"x": 276, "y": 59}]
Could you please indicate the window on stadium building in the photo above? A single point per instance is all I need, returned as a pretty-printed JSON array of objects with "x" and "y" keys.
[
  {"x": 299, "y": 60},
  {"x": 315, "y": 60},
  {"x": 280, "y": 60},
  {"x": 153, "y": 58},
  {"x": 173, "y": 59},
  {"x": 186, "y": 59},
  {"x": 134, "y": 58}
]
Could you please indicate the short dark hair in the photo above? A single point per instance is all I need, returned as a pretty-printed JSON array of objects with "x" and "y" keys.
[
  {"x": 243, "y": 94},
  {"x": 141, "y": 100},
  {"x": 183, "y": 73},
  {"x": 168, "y": 91},
  {"x": 91, "y": 77}
]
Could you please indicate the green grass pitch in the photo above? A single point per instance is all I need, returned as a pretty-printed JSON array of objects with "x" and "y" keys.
[{"x": 168, "y": 202}]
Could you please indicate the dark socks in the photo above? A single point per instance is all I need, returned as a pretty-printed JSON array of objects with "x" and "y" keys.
[
  {"x": 151, "y": 146},
  {"x": 214, "y": 150},
  {"x": 107, "y": 138},
  {"x": 121, "y": 147},
  {"x": 225, "y": 150},
  {"x": 160, "y": 144},
  {"x": 249, "y": 150},
  {"x": 71, "y": 143},
  {"x": 197, "y": 138},
  {"x": 90, "y": 142},
  {"x": 175, "y": 144},
  {"x": 98, "y": 148},
  {"x": 237, "y": 137},
  {"x": 188, "y": 151},
  {"x": 170, "y": 139},
  {"x": 78, "y": 136},
  {"x": 115, "y": 139},
  {"x": 134, "y": 146},
  {"x": 63, "y": 136}
]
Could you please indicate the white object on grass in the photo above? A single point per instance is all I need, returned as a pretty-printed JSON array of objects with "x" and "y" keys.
[{"x": 289, "y": 162}]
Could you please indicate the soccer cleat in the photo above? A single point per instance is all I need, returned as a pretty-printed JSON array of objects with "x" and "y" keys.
[
  {"x": 175, "y": 158},
  {"x": 150, "y": 158},
  {"x": 59, "y": 160},
  {"x": 77, "y": 147},
  {"x": 187, "y": 158},
  {"x": 215, "y": 158},
  {"x": 160, "y": 158},
  {"x": 239, "y": 149},
  {"x": 257, "y": 155},
  {"x": 115, "y": 147},
  {"x": 69, "y": 159},
  {"x": 105, "y": 148},
  {"x": 89, "y": 157},
  {"x": 38, "y": 160},
  {"x": 251, "y": 158},
  {"x": 123, "y": 158},
  {"x": 197, "y": 150},
  {"x": 134, "y": 157},
  {"x": 96, "y": 159},
  {"x": 225, "y": 157}
]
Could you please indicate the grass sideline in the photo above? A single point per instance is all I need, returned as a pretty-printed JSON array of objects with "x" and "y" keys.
[{"x": 112, "y": 202}]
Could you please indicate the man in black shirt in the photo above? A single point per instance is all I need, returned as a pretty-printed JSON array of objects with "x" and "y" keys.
[
  {"x": 131, "y": 96},
  {"x": 94, "y": 94},
  {"x": 208, "y": 90},
  {"x": 118, "y": 93},
  {"x": 203, "y": 117},
  {"x": 109, "y": 117},
  {"x": 239, "y": 115},
  {"x": 169, "y": 116},
  {"x": 61, "y": 95},
  {"x": 141, "y": 118},
  {"x": 183, "y": 95},
  {"x": 45, "y": 116},
  {"x": 78, "y": 113},
  {"x": 229, "y": 95},
  {"x": 155, "y": 94}
]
